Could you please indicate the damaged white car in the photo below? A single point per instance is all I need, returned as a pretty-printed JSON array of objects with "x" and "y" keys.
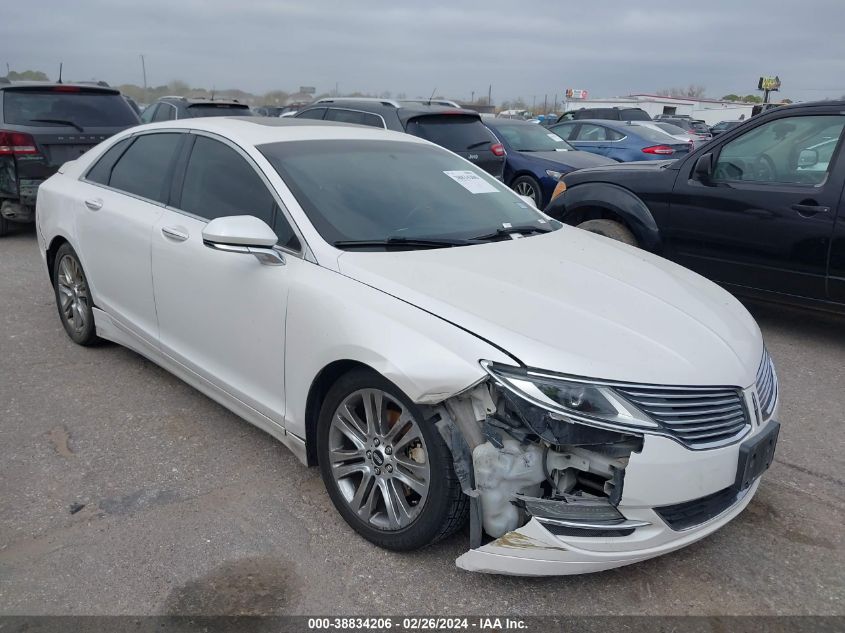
[{"x": 439, "y": 347}]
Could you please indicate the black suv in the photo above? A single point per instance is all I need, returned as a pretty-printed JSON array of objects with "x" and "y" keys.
[
  {"x": 456, "y": 129},
  {"x": 759, "y": 208},
  {"x": 170, "y": 108},
  {"x": 42, "y": 126},
  {"x": 607, "y": 114}
]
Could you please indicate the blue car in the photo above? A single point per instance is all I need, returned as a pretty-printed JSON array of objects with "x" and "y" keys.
[
  {"x": 621, "y": 141},
  {"x": 537, "y": 157}
]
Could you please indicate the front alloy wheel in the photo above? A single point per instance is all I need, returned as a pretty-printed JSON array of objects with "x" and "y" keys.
[{"x": 386, "y": 469}]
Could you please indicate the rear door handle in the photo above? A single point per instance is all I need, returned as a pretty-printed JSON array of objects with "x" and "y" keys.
[
  {"x": 174, "y": 234},
  {"x": 95, "y": 204},
  {"x": 807, "y": 210}
]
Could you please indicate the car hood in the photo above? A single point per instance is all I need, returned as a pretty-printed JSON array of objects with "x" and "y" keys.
[
  {"x": 572, "y": 159},
  {"x": 574, "y": 302}
]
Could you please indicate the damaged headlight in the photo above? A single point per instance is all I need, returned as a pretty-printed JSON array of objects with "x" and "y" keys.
[{"x": 573, "y": 399}]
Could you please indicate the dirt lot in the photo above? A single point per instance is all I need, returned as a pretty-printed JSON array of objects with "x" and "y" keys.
[{"x": 124, "y": 491}]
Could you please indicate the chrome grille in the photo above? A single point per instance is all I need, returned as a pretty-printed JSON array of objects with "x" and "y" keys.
[
  {"x": 767, "y": 386},
  {"x": 697, "y": 417}
]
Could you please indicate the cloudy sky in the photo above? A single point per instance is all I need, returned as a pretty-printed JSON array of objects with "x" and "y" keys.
[{"x": 525, "y": 49}]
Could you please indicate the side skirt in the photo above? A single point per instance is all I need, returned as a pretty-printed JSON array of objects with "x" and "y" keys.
[{"x": 111, "y": 330}]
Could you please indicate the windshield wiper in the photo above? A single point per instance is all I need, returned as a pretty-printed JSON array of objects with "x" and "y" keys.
[
  {"x": 479, "y": 144},
  {"x": 60, "y": 121},
  {"x": 512, "y": 230},
  {"x": 409, "y": 242}
]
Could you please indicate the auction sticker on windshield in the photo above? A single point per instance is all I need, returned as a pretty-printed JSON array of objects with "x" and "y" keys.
[{"x": 471, "y": 181}]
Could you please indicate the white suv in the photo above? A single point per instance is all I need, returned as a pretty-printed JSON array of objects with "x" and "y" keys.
[{"x": 394, "y": 314}]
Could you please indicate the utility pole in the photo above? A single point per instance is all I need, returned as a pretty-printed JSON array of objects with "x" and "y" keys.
[
  {"x": 144, "y": 72},
  {"x": 545, "y": 104},
  {"x": 472, "y": 98},
  {"x": 490, "y": 95},
  {"x": 533, "y": 103}
]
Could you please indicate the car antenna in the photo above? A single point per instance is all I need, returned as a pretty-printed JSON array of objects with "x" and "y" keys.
[
  {"x": 60, "y": 73},
  {"x": 432, "y": 95}
]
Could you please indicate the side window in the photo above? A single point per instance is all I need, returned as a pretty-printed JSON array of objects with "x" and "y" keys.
[
  {"x": 590, "y": 132},
  {"x": 569, "y": 116},
  {"x": 101, "y": 171},
  {"x": 613, "y": 135},
  {"x": 284, "y": 232},
  {"x": 145, "y": 168},
  {"x": 149, "y": 113},
  {"x": 565, "y": 131},
  {"x": 165, "y": 112},
  {"x": 351, "y": 116},
  {"x": 220, "y": 182},
  {"x": 793, "y": 150},
  {"x": 314, "y": 113}
]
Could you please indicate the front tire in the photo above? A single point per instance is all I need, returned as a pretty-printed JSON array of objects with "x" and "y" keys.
[
  {"x": 386, "y": 469},
  {"x": 530, "y": 188},
  {"x": 73, "y": 297},
  {"x": 612, "y": 229}
]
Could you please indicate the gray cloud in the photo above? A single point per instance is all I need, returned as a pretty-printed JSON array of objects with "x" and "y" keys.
[{"x": 522, "y": 49}]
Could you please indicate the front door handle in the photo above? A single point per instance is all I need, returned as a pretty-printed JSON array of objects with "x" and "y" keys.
[
  {"x": 177, "y": 235},
  {"x": 95, "y": 204},
  {"x": 806, "y": 210}
]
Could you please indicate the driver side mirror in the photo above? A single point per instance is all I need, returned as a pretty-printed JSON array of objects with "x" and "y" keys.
[
  {"x": 703, "y": 167},
  {"x": 808, "y": 158},
  {"x": 243, "y": 234}
]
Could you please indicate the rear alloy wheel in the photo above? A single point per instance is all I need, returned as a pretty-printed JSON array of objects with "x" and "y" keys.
[
  {"x": 73, "y": 297},
  {"x": 530, "y": 188},
  {"x": 610, "y": 228},
  {"x": 387, "y": 471}
]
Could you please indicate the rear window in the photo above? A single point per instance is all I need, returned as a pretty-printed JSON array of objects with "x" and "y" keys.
[
  {"x": 456, "y": 132},
  {"x": 652, "y": 135},
  {"x": 634, "y": 114},
  {"x": 700, "y": 127},
  {"x": 223, "y": 109},
  {"x": 55, "y": 108}
]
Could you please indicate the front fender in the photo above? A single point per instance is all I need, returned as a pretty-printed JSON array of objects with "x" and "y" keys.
[
  {"x": 333, "y": 318},
  {"x": 582, "y": 202}
]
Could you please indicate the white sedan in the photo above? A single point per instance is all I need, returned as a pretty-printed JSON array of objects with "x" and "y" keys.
[{"x": 438, "y": 346}]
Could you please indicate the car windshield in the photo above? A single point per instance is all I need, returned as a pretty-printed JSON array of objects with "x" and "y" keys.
[
  {"x": 531, "y": 138},
  {"x": 68, "y": 105},
  {"x": 224, "y": 109},
  {"x": 376, "y": 191}
]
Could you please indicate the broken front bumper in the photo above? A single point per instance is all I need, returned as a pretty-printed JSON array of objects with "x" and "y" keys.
[
  {"x": 533, "y": 550},
  {"x": 672, "y": 495}
]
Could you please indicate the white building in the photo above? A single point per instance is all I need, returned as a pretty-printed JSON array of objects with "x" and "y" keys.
[{"x": 711, "y": 111}]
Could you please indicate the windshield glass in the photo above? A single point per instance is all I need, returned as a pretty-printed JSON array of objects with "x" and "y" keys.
[
  {"x": 49, "y": 108},
  {"x": 380, "y": 190},
  {"x": 218, "y": 110},
  {"x": 531, "y": 138}
]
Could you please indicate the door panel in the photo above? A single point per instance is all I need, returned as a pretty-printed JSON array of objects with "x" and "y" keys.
[
  {"x": 113, "y": 230},
  {"x": 763, "y": 220},
  {"x": 116, "y": 213},
  {"x": 836, "y": 270},
  {"x": 221, "y": 314}
]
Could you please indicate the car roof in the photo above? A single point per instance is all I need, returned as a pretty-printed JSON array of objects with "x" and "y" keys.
[
  {"x": 87, "y": 86},
  {"x": 200, "y": 101},
  {"x": 404, "y": 110},
  {"x": 257, "y": 130}
]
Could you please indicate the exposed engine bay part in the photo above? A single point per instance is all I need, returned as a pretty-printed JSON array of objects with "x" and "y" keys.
[{"x": 518, "y": 461}]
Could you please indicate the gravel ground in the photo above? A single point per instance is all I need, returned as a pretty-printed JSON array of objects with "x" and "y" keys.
[{"x": 124, "y": 491}]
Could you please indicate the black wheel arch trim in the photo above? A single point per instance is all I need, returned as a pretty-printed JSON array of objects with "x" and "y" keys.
[{"x": 594, "y": 200}]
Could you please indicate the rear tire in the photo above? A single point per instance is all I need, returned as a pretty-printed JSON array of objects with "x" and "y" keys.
[
  {"x": 4, "y": 226},
  {"x": 612, "y": 229},
  {"x": 389, "y": 474},
  {"x": 73, "y": 297}
]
